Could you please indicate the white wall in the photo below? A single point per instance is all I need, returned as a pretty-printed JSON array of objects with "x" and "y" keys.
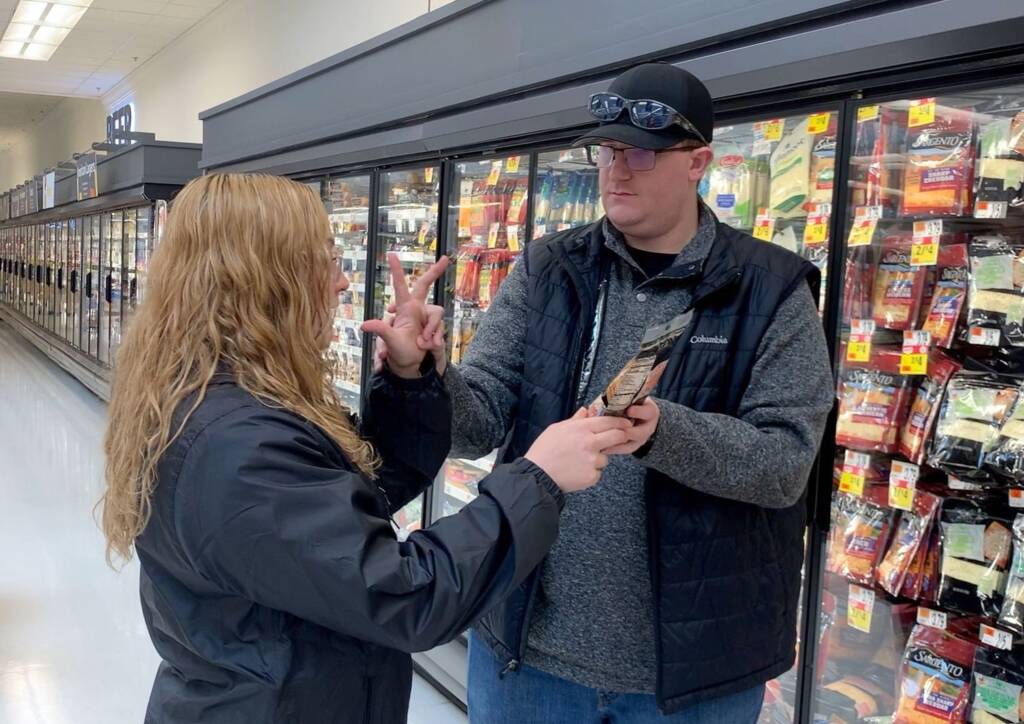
[
  {"x": 245, "y": 44},
  {"x": 71, "y": 126},
  {"x": 242, "y": 45}
]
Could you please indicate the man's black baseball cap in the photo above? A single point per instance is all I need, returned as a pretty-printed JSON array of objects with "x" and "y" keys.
[{"x": 668, "y": 84}]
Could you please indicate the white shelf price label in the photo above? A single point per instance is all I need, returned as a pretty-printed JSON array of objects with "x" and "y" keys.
[
  {"x": 983, "y": 336},
  {"x": 932, "y": 618},
  {"x": 860, "y": 607},
  {"x": 868, "y": 212},
  {"x": 761, "y": 148},
  {"x": 855, "y": 465},
  {"x": 914, "y": 359},
  {"x": 990, "y": 210},
  {"x": 1016, "y": 496},
  {"x": 958, "y": 484},
  {"x": 931, "y": 227},
  {"x": 858, "y": 349},
  {"x": 902, "y": 484},
  {"x": 991, "y": 636}
]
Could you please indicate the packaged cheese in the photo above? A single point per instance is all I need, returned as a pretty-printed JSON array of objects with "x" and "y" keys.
[
  {"x": 877, "y": 163},
  {"x": 935, "y": 678},
  {"x": 917, "y": 430},
  {"x": 732, "y": 185},
  {"x": 1006, "y": 458},
  {"x": 939, "y": 165},
  {"x": 823, "y": 164},
  {"x": 873, "y": 401},
  {"x": 859, "y": 531},
  {"x": 898, "y": 286},
  {"x": 947, "y": 299},
  {"x": 911, "y": 534},
  {"x": 998, "y": 691},
  {"x": 1011, "y": 616},
  {"x": 790, "y": 171},
  {"x": 977, "y": 545},
  {"x": 994, "y": 300}
]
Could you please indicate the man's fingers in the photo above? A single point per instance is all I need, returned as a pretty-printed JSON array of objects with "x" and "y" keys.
[
  {"x": 597, "y": 425},
  {"x": 581, "y": 414},
  {"x": 643, "y": 413},
  {"x": 398, "y": 280}
]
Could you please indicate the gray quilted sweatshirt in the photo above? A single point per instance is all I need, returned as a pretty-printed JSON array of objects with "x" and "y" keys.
[{"x": 594, "y": 620}]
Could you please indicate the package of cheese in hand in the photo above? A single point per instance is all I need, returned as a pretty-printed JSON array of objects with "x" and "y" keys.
[{"x": 641, "y": 374}]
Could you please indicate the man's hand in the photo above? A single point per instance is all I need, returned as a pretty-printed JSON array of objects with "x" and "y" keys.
[
  {"x": 401, "y": 333},
  {"x": 645, "y": 419}
]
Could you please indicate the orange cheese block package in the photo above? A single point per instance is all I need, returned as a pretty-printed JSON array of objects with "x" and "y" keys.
[
  {"x": 935, "y": 678},
  {"x": 939, "y": 165},
  {"x": 916, "y": 431},
  {"x": 898, "y": 286},
  {"x": 860, "y": 529},
  {"x": 911, "y": 534},
  {"x": 873, "y": 400}
]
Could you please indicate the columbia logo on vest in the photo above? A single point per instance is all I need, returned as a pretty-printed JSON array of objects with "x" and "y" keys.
[{"x": 701, "y": 339}]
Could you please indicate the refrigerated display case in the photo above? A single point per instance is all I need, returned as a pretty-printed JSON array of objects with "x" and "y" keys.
[
  {"x": 566, "y": 191},
  {"x": 347, "y": 201},
  {"x": 925, "y": 555}
]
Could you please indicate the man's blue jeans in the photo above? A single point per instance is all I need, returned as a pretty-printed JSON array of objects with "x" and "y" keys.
[{"x": 533, "y": 697}]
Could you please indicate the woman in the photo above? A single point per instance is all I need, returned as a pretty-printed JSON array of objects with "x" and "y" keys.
[{"x": 272, "y": 582}]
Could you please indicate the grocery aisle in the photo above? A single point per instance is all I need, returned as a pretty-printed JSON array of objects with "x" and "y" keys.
[{"x": 73, "y": 646}]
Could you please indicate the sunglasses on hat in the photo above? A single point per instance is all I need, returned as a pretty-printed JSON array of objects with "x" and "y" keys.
[{"x": 649, "y": 115}]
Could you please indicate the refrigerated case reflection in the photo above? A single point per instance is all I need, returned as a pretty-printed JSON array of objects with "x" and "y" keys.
[{"x": 926, "y": 554}]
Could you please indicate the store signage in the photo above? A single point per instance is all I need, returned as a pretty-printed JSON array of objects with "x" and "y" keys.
[
  {"x": 88, "y": 181},
  {"x": 119, "y": 123},
  {"x": 49, "y": 189}
]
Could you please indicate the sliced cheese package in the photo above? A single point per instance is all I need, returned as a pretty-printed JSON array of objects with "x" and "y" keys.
[
  {"x": 911, "y": 534},
  {"x": 873, "y": 401},
  {"x": 859, "y": 531},
  {"x": 898, "y": 286},
  {"x": 1011, "y": 617},
  {"x": 998, "y": 690},
  {"x": 877, "y": 164},
  {"x": 935, "y": 678},
  {"x": 974, "y": 409},
  {"x": 939, "y": 165},
  {"x": 1000, "y": 173},
  {"x": 977, "y": 545},
  {"x": 1006, "y": 458},
  {"x": 916, "y": 431},
  {"x": 733, "y": 184},
  {"x": 994, "y": 300},
  {"x": 823, "y": 163},
  {"x": 948, "y": 296},
  {"x": 790, "y": 169}
]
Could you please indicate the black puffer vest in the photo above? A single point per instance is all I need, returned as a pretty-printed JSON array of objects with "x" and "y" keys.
[{"x": 726, "y": 575}]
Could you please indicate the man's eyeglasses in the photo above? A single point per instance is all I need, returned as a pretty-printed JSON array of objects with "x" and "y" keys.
[
  {"x": 646, "y": 114},
  {"x": 637, "y": 159}
]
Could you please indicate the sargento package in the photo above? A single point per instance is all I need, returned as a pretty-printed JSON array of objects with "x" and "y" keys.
[
  {"x": 947, "y": 300},
  {"x": 974, "y": 409},
  {"x": 898, "y": 287},
  {"x": 935, "y": 678},
  {"x": 640, "y": 375},
  {"x": 860, "y": 529},
  {"x": 911, "y": 535},
  {"x": 939, "y": 165},
  {"x": 823, "y": 164},
  {"x": 873, "y": 400},
  {"x": 994, "y": 301},
  {"x": 858, "y": 282},
  {"x": 998, "y": 687},
  {"x": 790, "y": 167},
  {"x": 924, "y": 409},
  {"x": 977, "y": 544},
  {"x": 877, "y": 174}
]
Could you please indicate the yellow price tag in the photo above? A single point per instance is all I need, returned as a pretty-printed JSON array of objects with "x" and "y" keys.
[
  {"x": 816, "y": 232},
  {"x": 862, "y": 232},
  {"x": 925, "y": 253},
  {"x": 914, "y": 364},
  {"x": 922, "y": 113},
  {"x": 492, "y": 178},
  {"x": 867, "y": 113},
  {"x": 424, "y": 230},
  {"x": 818, "y": 122},
  {"x": 773, "y": 130},
  {"x": 851, "y": 483},
  {"x": 859, "y": 351},
  {"x": 492, "y": 235},
  {"x": 859, "y": 608},
  {"x": 512, "y": 232},
  {"x": 512, "y": 165},
  {"x": 764, "y": 228},
  {"x": 901, "y": 498},
  {"x": 428, "y": 175}
]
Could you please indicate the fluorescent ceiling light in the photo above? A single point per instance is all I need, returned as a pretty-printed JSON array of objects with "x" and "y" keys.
[{"x": 37, "y": 28}]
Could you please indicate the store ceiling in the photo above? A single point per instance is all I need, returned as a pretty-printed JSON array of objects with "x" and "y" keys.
[{"x": 109, "y": 42}]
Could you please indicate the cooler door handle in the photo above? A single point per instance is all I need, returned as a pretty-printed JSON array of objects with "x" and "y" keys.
[
  {"x": 109, "y": 288},
  {"x": 88, "y": 285},
  {"x": 49, "y": 276},
  {"x": 60, "y": 278},
  {"x": 74, "y": 281}
]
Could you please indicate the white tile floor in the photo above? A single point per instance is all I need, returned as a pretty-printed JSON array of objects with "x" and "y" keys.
[{"x": 73, "y": 646}]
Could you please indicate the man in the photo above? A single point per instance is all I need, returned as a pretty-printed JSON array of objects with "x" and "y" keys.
[{"x": 671, "y": 594}]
